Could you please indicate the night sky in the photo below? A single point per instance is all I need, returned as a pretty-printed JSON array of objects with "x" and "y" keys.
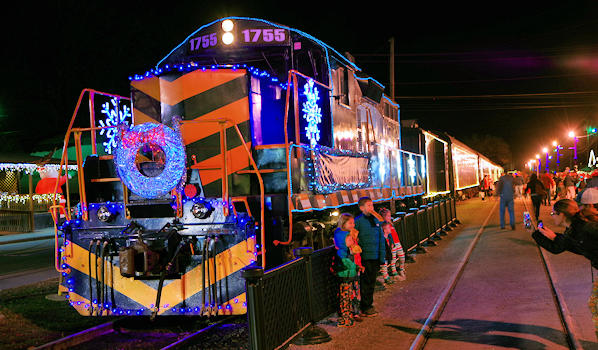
[{"x": 544, "y": 58}]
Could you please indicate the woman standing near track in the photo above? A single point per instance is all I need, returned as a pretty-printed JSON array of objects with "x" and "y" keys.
[
  {"x": 537, "y": 193},
  {"x": 580, "y": 237}
]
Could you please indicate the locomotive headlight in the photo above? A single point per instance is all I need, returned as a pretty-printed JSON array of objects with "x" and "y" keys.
[
  {"x": 104, "y": 215},
  {"x": 228, "y": 38},
  {"x": 201, "y": 210},
  {"x": 227, "y": 25}
]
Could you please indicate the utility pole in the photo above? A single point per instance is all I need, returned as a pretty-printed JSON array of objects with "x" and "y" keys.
[
  {"x": 393, "y": 207},
  {"x": 392, "y": 68}
]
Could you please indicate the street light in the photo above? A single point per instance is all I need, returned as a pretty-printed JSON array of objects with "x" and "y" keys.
[
  {"x": 555, "y": 143},
  {"x": 532, "y": 162},
  {"x": 571, "y": 134}
]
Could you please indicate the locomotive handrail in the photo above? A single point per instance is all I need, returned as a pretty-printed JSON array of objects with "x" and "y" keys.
[
  {"x": 253, "y": 164},
  {"x": 292, "y": 77},
  {"x": 64, "y": 163}
]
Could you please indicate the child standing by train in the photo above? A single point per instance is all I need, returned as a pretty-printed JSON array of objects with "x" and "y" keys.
[
  {"x": 397, "y": 253},
  {"x": 349, "y": 260},
  {"x": 388, "y": 244}
]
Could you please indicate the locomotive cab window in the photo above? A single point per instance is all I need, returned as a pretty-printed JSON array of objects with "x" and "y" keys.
[{"x": 343, "y": 86}]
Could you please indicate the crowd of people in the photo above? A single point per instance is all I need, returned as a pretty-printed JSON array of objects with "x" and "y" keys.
[
  {"x": 366, "y": 246},
  {"x": 541, "y": 189},
  {"x": 575, "y": 208}
]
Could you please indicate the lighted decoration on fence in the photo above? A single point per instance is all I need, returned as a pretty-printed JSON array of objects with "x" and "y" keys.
[
  {"x": 17, "y": 200},
  {"x": 312, "y": 113},
  {"x": 129, "y": 142},
  {"x": 114, "y": 117},
  {"x": 29, "y": 168}
]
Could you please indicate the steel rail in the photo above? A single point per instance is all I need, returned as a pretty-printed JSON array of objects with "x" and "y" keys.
[
  {"x": 107, "y": 328},
  {"x": 561, "y": 306},
  {"x": 443, "y": 298}
]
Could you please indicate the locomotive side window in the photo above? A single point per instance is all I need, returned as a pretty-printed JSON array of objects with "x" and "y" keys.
[{"x": 343, "y": 86}]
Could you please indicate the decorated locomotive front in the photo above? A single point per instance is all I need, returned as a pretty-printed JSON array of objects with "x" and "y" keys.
[{"x": 241, "y": 144}]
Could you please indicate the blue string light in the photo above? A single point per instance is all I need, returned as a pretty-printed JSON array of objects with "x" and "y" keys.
[
  {"x": 308, "y": 36},
  {"x": 186, "y": 68},
  {"x": 171, "y": 144}
]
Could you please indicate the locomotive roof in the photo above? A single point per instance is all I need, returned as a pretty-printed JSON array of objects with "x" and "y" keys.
[{"x": 177, "y": 51}]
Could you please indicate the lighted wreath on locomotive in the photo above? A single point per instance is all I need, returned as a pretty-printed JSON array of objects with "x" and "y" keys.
[{"x": 243, "y": 142}]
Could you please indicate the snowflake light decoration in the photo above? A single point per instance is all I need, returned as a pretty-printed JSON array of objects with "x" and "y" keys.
[
  {"x": 312, "y": 113},
  {"x": 114, "y": 117}
]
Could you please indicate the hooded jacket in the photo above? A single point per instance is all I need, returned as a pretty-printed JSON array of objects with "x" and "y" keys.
[{"x": 581, "y": 237}]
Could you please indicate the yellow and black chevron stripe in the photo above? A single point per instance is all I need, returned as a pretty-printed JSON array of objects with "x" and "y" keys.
[
  {"x": 200, "y": 96},
  {"x": 179, "y": 296}
]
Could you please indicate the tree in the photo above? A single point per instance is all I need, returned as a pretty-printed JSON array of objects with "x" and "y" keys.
[{"x": 493, "y": 147}]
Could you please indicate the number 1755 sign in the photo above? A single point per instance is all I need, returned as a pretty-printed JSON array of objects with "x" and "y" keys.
[
  {"x": 243, "y": 37},
  {"x": 265, "y": 36}
]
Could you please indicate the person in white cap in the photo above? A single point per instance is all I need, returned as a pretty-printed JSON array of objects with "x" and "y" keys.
[{"x": 589, "y": 204}]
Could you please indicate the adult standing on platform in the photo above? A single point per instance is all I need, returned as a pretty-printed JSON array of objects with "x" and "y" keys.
[
  {"x": 537, "y": 193},
  {"x": 505, "y": 190},
  {"x": 518, "y": 183},
  {"x": 579, "y": 238},
  {"x": 548, "y": 183},
  {"x": 589, "y": 204}
]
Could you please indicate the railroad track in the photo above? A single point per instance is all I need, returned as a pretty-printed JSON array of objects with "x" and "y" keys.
[
  {"x": 228, "y": 332},
  {"x": 561, "y": 309}
]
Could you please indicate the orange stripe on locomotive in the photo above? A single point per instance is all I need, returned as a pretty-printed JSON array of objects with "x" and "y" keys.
[{"x": 201, "y": 98}]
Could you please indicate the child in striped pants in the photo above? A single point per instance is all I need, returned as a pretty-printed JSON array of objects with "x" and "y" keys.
[{"x": 397, "y": 253}]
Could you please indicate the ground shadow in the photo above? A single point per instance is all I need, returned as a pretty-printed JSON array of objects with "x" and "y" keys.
[{"x": 478, "y": 332}]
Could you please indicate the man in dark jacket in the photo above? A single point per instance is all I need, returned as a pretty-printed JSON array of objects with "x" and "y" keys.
[
  {"x": 506, "y": 190},
  {"x": 373, "y": 252}
]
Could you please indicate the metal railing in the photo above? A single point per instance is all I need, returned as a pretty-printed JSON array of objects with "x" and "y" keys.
[
  {"x": 284, "y": 304},
  {"x": 421, "y": 226}
]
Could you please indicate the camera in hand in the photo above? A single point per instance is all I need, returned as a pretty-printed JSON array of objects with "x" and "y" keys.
[{"x": 527, "y": 220}]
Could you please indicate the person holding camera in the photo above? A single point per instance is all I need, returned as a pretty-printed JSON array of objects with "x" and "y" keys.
[{"x": 580, "y": 237}]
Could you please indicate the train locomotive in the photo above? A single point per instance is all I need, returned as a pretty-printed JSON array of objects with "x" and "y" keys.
[{"x": 244, "y": 142}]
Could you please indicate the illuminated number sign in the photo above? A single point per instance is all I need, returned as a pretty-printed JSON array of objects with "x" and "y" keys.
[
  {"x": 265, "y": 36},
  {"x": 203, "y": 42},
  {"x": 247, "y": 34}
]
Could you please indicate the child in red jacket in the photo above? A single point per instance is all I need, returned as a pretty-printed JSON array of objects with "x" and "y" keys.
[{"x": 397, "y": 253}]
